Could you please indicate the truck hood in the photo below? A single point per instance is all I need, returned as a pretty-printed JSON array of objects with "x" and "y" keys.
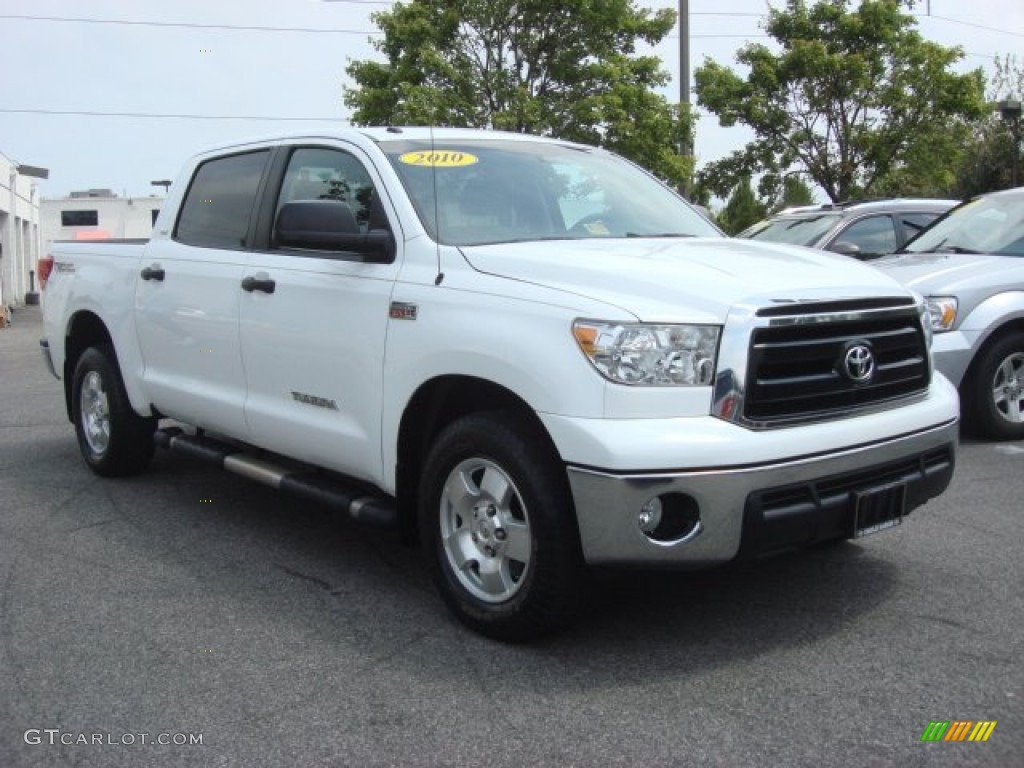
[
  {"x": 682, "y": 280},
  {"x": 948, "y": 273}
]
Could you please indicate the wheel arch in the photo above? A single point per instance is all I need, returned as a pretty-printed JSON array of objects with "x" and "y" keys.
[
  {"x": 433, "y": 406},
  {"x": 85, "y": 329},
  {"x": 994, "y": 335}
]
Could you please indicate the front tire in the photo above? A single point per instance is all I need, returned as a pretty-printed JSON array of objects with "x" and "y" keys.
[
  {"x": 114, "y": 440},
  {"x": 994, "y": 396},
  {"x": 497, "y": 520}
]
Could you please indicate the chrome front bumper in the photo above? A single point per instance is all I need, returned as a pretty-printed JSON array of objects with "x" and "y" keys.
[{"x": 607, "y": 504}]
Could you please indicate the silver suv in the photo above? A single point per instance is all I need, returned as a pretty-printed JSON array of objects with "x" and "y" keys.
[
  {"x": 864, "y": 230},
  {"x": 970, "y": 268}
]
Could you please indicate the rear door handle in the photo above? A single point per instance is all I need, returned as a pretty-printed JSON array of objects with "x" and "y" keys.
[
  {"x": 154, "y": 272},
  {"x": 258, "y": 282}
]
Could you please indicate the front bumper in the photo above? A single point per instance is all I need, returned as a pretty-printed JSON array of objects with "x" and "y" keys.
[
  {"x": 758, "y": 508},
  {"x": 953, "y": 351}
]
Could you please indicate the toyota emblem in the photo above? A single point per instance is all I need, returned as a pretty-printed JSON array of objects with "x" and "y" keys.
[{"x": 859, "y": 363}]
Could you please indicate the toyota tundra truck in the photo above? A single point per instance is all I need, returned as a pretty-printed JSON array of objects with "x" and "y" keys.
[{"x": 527, "y": 355}]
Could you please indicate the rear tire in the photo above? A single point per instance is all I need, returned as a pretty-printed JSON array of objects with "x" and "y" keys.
[
  {"x": 994, "y": 395},
  {"x": 497, "y": 522},
  {"x": 114, "y": 440}
]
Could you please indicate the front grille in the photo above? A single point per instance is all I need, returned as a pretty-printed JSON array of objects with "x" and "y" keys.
[{"x": 797, "y": 370}]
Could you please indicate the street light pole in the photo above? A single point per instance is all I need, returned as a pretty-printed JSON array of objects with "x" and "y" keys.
[{"x": 1009, "y": 110}]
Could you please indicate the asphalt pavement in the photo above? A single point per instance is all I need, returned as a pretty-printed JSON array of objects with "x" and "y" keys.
[{"x": 189, "y": 605}]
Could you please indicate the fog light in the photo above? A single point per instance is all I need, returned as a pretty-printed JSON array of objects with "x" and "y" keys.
[
  {"x": 650, "y": 516},
  {"x": 672, "y": 518}
]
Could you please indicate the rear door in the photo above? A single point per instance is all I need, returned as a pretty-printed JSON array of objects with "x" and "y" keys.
[
  {"x": 313, "y": 327},
  {"x": 188, "y": 294}
]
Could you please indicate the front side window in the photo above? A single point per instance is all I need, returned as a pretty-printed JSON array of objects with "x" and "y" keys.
[
  {"x": 316, "y": 173},
  {"x": 219, "y": 202},
  {"x": 477, "y": 191},
  {"x": 873, "y": 235}
]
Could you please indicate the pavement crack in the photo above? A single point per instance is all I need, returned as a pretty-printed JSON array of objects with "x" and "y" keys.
[
  {"x": 305, "y": 577},
  {"x": 94, "y": 525}
]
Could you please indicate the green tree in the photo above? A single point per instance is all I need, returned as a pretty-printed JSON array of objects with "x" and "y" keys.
[
  {"x": 851, "y": 96},
  {"x": 568, "y": 69},
  {"x": 742, "y": 209},
  {"x": 986, "y": 158},
  {"x": 794, "y": 192}
]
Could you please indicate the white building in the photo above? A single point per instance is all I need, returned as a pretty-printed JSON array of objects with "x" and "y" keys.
[
  {"x": 19, "y": 231},
  {"x": 97, "y": 214}
]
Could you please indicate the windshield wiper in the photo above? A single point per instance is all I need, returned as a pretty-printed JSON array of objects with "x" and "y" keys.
[
  {"x": 958, "y": 249},
  {"x": 660, "y": 234}
]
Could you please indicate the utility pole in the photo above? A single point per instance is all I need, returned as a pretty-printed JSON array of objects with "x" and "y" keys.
[{"x": 684, "y": 75}]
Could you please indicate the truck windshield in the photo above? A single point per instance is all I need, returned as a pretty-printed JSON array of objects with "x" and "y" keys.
[
  {"x": 993, "y": 224},
  {"x": 803, "y": 230},
  {"x": 497, "y": 191}
]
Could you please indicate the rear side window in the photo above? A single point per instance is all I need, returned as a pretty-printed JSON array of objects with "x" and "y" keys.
[{"x": 220, "y": 200}]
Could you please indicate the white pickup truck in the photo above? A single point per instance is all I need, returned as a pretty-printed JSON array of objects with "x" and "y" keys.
[{"x": 529, "y": 355}]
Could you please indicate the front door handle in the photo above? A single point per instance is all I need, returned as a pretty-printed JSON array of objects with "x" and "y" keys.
[
  {"x": 154, "y": 272},
  {"x": 260, "y": 282}
]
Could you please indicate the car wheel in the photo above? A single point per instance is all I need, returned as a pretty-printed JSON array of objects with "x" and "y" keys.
[
  {"x": 497, "y": 520},
  {"x": 114, "y": 440},
  {"x": 995, "y": 393}
]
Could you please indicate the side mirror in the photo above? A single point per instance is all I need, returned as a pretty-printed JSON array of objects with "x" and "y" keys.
[
  {"x": 846, "y": 248},
  {"x": 330, "y": 225}
]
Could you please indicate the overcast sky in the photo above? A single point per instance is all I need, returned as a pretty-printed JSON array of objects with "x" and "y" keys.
[{"x": 177, "y": 62}]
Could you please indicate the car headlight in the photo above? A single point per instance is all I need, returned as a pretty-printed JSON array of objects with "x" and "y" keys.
[
  {"x": 941, "y": 312},
  {"x": 643, "y": 354}
]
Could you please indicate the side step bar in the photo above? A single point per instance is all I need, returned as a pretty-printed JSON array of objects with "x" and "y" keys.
[{"x": 307, "y": 484}]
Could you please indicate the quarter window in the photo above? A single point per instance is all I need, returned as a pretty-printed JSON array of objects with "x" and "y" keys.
[
  {"x": 219, "y": 202},
  {"x": 913, "y": 223}
]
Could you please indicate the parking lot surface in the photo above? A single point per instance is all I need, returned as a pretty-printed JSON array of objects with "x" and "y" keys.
[{"x": 189, "y": 604}]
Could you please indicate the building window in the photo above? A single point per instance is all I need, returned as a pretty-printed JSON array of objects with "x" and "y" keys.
[{"x": 79, "y": 218}]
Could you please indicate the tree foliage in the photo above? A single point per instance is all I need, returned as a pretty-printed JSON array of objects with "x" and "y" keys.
[
  {"x": 986, "y": 158},
  {"x": 742, "y": 209},
  {"x": 568, "y": 69},
  {"x": 854, "y": 96}
]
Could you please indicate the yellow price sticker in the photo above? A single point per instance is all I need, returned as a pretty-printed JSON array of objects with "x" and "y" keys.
[{"x": 436, "y": 158}]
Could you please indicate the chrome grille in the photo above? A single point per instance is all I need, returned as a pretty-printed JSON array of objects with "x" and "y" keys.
[{"x": 798, "y": 368}]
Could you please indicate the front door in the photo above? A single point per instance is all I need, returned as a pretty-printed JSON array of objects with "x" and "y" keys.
[{"x": 313, "y": 328}]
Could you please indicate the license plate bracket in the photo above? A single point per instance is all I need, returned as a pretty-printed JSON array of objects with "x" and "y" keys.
[{"x": 879, "y": 509}]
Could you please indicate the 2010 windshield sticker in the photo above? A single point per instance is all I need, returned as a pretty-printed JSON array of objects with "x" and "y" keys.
[{"x": 438, "y": 158}]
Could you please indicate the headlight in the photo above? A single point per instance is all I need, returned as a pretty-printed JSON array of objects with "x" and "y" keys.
[
  {"x": 650, "y": 355},
  {"x": 941, "y": 312}
]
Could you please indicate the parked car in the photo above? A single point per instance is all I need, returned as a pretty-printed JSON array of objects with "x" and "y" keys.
[
  {"x": 970, "y": 267},
  {"x": 865, "y": 230}
]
